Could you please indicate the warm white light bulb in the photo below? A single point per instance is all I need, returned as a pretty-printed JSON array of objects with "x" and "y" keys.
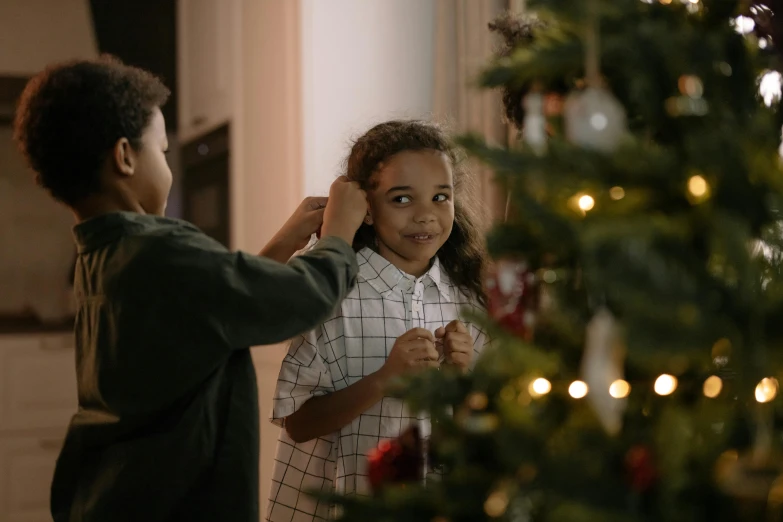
[
  {"x": 540, "y": 387},
  {"x": 578, "y": 389},
  {"x": 665, "y": 384},
  {"x": 712, "y": 386},
  {"x": 619, "y": 389},
  {"x": 697, "y": 186},
  {"x": 766, "y": 390},
  {"x": 586, "y": 202},
  {"x": 617, "y": 193}
]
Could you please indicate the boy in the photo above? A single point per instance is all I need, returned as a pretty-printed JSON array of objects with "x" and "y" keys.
[{"x": 167, "y": 427}]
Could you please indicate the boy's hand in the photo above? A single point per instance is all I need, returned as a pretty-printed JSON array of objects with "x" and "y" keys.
[
  {"x": 297, "y": 231},
  {"x": 457, "y": 344},
  {"x": 413, "y": 350},
  {"x": 345, "y": 210}
]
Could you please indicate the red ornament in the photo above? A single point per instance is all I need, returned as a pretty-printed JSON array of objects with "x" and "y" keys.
[
  {"x": 512, "y": 292},
  {"x": 640, "y": 468},
  {"x": 397, "y": 460}
]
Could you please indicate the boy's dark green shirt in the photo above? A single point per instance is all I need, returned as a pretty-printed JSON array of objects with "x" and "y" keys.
[{"x": 167, "y": 428}]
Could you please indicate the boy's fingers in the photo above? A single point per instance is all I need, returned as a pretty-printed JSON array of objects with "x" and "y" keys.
[{"x": 316, "y": 203}]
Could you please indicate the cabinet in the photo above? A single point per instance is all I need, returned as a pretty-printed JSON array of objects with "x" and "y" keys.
[
  {"x": 206, "y": 41},
  {"x": 37, "y": 399}
]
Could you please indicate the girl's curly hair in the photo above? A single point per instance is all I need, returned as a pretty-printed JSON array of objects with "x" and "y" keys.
[{"x": 463, "y": 255}]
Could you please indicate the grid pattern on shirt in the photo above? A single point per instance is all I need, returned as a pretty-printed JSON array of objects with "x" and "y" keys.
[{"x": 352, "y": 344}]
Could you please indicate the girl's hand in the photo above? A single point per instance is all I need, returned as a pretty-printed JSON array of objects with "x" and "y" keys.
[
  {"x": 457, "y": 344},
  {"x": 413, "y": 350}
]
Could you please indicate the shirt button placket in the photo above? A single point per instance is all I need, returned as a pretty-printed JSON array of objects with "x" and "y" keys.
[{"x": 418, "y": 308}]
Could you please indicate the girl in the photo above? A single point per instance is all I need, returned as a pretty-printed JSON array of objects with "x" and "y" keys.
[{"x": 420, "y": 256}]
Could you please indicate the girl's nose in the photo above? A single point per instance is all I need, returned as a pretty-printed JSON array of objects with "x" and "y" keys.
[{"x": 424, "y": 217}]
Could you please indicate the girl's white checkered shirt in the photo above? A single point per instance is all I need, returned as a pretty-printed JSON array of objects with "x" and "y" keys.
[{"x": 351, "y": 345}]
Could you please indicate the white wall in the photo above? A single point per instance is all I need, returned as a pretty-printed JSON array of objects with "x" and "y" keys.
[
  {"x": 34, "y": 33},
  {"x": 363, "y": 62}
]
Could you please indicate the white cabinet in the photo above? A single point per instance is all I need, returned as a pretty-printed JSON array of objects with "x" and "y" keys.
[
  {"x": 37, "y": 399},
  {"x": 206, "y": 35},
  {"x": 26, "y": 468}
]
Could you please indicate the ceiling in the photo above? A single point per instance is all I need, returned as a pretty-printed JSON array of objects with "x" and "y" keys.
[{"x": 141, "y": 33}]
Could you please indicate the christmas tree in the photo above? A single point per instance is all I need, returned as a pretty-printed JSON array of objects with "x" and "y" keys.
[{"x": 637, "y": 299}]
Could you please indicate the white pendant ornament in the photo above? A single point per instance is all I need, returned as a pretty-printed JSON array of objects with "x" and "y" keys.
[
  {"x": 602, "y": 366},
  {"x": 594, "y": 119}
]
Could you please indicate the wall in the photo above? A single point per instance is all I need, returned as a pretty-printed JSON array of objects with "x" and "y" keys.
[
  {"x": 266, "y": 164},
  {"x": 35, "y": 277},
  {"x": 363, "y": 61},
  {"x": 36, "y": 245},
  {"x": 34, "y": 33}
]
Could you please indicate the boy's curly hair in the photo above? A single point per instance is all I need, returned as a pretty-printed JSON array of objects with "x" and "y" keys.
[
  {"x": 463, "y": 256},
  {"x": 71, "y": 115}
]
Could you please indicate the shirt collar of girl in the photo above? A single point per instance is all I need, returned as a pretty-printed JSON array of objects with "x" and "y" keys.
[{"x": 386, "y": 278}]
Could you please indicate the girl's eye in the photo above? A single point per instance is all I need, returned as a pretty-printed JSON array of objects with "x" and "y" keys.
[
  {"x": 440, "y": 198},
  {"x": 402, "y": 199}
]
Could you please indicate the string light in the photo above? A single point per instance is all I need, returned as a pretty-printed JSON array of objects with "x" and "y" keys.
[
  {"x": 766, "y": 390},
  {"x": 478, "y": 400},
  {"x": 578, "y": 389},
  {"x": 540, "y": 387},
  {"x": 496, "y": 504},
  {"x": 617, "y": 193},
  {"x": 690, "y": 85},
  {"x": 743, "y": 24},
  {"x": 586, "y": 202},
  {"x": 665, "y": 384},
  {"x": 712, "y": 386},
  {"x": 697, "y": 186},
  {"x": 619, "y": 389},
  {"x": 769, "y": 87}
]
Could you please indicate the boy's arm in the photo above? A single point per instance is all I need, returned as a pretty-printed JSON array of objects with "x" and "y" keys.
[
  {"x": 251, "y": 300},
  {"x": 268, "y": 302}
]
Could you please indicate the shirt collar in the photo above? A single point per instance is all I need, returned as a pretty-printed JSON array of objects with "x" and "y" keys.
[{"x": 386, "y": 278}]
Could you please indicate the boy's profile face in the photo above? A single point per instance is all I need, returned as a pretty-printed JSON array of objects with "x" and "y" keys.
[
  {"x": 152, "y": 171},
  {"x": 146, "y": 171}
]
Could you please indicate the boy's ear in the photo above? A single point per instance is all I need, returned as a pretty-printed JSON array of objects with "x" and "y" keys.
[
  {"x": 368, "y": 216},
  {"x": 124, "y": 157}
]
